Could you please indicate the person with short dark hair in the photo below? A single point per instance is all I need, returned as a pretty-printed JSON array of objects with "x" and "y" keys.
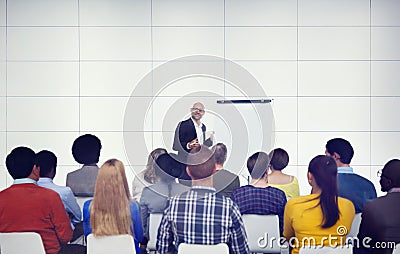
[
  {"x": 201, "y": 216},
  {"x": 47, "y": 161},
  {"x": 26, "y": 207},
  {"x": 322, "y": 214},
  {"x": 86, "y": 151},
  {"x": 258, "y": 197},
  {"x": 224, "y": 181},
  {"x": 380, "y": 219},
  {"x": 350, "y": 185},
  {"x": 287, "y": 183}
]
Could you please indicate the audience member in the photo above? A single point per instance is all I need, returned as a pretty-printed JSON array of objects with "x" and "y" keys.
[
  {"x": 155, "y": 198},
  {"x": 381, "y": 217},
  {"x": 147, "y": 176},
  {"x": 315, "y": 218},
  {"x": 350, "y": 185},
  {"x": 47, "y": 161},
  {"x": 201, "y": 216},
  {"x": 26, "y": 207},
  {"x": 111, "y": 212},
  {"x": 224, "y": 181},
  {"x": 258, "y": 197},
  {"x": 86, "y": 151},
  {"x": 277, "y": 179}
]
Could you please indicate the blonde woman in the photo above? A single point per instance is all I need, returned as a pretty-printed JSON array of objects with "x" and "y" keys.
[
  {"x": 147, "y": 176},
  {"x": 111, "y": 212}
]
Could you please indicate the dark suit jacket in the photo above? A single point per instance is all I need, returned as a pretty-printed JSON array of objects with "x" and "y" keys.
[
  {"x": 186, "y": 132},
  {"x": 380, "y": 221}
]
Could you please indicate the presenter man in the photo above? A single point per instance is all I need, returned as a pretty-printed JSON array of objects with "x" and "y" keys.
[{"x": 191, "y": 133}]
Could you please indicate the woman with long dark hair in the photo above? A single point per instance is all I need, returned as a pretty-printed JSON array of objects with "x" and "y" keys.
[{"x": 321, "y": 218}]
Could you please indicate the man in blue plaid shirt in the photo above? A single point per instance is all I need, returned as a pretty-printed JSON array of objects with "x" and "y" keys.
[
  {"x": 201, "y": 216},
  {"x": 258, "y": 197}
]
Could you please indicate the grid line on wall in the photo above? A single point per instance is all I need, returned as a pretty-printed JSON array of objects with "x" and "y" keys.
[
  {"x": 81, "y": 90},
  {"x": 370, "y": 91},
  {"x": 297, "y": 85},
  {"x": 224, "y": 96},
  {"x": 6, "y": 77},
  {"x": 152, "y": 67},
  {"x": 79, "y": 68}
]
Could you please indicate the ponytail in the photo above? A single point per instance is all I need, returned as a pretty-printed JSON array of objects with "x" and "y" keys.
[{"x": 324, "y": 171}]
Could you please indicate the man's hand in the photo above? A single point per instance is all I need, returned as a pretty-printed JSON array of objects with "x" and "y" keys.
[{"x": 193, "y": 143}]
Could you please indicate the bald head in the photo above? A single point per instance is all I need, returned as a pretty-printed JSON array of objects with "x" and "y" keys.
[
  {"x": 198, "y": 105},
  {"x": 197, "y": 111}
]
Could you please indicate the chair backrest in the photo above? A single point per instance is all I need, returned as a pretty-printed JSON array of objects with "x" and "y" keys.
[
  {"x": 396, "y": 250},
  {"x": 355, "y": 226},
  {"x": 82, "y": 200},
  {"x": 265, "y": 227},
  {"x": 121, "y": 244},
  {"x": 347, "y": 249},
  {"x": 21, "y": 242},
  {"x": 154, "y": 223},
  {"x": 220, "y": 248}
]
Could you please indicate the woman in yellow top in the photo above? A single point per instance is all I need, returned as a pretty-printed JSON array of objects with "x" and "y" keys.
[
  {"x": 277, "y": 179},
  {"x": 322, "y": 218}
]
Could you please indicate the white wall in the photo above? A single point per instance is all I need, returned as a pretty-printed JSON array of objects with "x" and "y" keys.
[{"x": 69, "y": 67}]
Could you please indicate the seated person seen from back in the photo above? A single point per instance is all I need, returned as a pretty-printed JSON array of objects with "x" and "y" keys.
[
  {"x": 224, "y": 181},
  {"x": 148, "y": 175},
  {"x": 287, "y": 183},
  {"x": 380, "y": 219},
  {"x": 200, "y": 215},
  {"x": 258, "y": 197},
  {"x": 47, "y": 161},
  {"x": 155, "y": 198},
  {"x": 350, "y": 185},
  {"x": 27, "y": 207},
  {"x": 86, "y": 151},
  {"x": 111, "y": 211},
  {"x": 321, "y": 218}
]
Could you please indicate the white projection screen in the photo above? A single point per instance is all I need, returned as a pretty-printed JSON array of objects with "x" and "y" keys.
[{"x": 244, "y": 122}]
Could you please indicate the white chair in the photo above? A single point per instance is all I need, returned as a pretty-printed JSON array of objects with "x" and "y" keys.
[
  {"x": 21, "y": 242},
  {"x": 82, "y": 200},
  {"x": 220, "y": 248},
  {"x": 347, "y": 249},
  {"x": 355, "y": 226},
  {"x": 154, "y": 223},
  {"x": 396, "y": 249},
  {"x": 121, "y": 244},
  {"x": 263, "y": 233}
]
